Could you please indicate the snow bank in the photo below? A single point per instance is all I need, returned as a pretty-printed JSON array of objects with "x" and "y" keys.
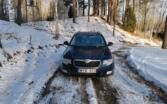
[
  {"x": 151, "y": 63},
  {"x": 29, "y": 57},
  {"x": 16, "y": 38}
]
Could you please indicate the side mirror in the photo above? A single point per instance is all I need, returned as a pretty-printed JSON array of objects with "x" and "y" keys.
[
  {"x": 66, "y": 43},
  {"x": 110, "y": 43}
]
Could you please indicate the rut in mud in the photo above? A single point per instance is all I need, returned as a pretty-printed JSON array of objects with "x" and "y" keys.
[
  {"x": 106, "y": 94},
  {"x": 84, "y": 95},
  {"x": 81, "y": 90},
  {"x": 46, "y": 89}
]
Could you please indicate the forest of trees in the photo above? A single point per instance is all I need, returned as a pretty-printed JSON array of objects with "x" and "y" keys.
[
  {"x": 141, "y": 17},
  {"x": 27, "y": 10}
]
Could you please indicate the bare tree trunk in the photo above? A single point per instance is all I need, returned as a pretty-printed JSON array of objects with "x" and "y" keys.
[
  {"x": 115, "y": 6},
  {"x": 83, "y": 7},
  {"x": 1, "y": 44},
  {"x": 88, "y": 10},
  {"x": 39, "y": 8},
  {"x": 26, "y": 11},
  {"x": 127, "y": 3},
  {"x": 74, "y": 11},
  {"x": 124, "y": 7},
  {"x": 104, "y": 7},
  {"x": 101, "y": 8},
  {"x": 164, "y": 45},
  {"x": 98, "y": 5},
  {"x": 19, "y": 13},
  {"x": 57, "y": 21},
  {"x": 145, "y": 17},
  {"x": 109, "y": 13},
  {"x": 114, "y": 24},
  {"x": 133, "y": 5},
  {"x": 2, "y": 15},
  {"x": 94, "y": 7},
  {"x": 33, "y": 13}
]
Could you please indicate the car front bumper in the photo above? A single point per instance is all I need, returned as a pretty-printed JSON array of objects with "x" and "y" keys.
[{"x": 100, "y": 71}]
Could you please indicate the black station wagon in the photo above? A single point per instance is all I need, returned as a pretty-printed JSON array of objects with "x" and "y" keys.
[{"x": 87, "y": 54}]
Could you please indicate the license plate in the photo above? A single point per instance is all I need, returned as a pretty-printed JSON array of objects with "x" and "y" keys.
[{"x": 87, "y": 71}]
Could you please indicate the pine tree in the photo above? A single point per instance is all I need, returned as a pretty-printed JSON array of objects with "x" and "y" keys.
[{"x": 129, "y": 20}]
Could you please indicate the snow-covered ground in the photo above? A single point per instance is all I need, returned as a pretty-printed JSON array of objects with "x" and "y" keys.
[
  {"x": 30, "y": 56},
  {"x": 151, "y": 63},
  {"x": 129, "y": 91}
]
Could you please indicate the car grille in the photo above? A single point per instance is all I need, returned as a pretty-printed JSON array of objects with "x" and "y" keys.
[{"x": 87, "y": 63}]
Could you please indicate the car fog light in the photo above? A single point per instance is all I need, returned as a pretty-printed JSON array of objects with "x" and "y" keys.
[
  {"x": 109, "y": 72},
  {"x": 66, "y": 61},
  {"x": 65, "y": 71}
]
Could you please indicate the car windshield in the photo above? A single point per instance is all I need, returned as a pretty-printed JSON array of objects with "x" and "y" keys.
[{"x": 88, "y": 40}]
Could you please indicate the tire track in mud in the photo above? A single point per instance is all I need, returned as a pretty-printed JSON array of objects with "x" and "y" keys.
[
  {"x": 84, "y": 95},
  {"x": 106, "y": 94},
  {"x": 101, "y": 91},
  {"x": 91, "y": 90},
  {"x": 121, "y": 55},
  {"x": 46, "y": 90},
  {"x": 66, "y": 90}
]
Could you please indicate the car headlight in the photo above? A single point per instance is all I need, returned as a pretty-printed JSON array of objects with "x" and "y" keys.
[
  {"x": 108, "y": 61},
  {"x": 66, "y": 61}
]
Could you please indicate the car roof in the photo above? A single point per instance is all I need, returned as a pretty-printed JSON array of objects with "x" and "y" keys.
[{"x": 88, "y": 33}]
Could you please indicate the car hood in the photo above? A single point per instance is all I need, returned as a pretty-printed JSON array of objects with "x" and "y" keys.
[{"x": 75, "y": 52}]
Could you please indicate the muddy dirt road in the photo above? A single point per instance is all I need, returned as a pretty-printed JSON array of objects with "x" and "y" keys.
[{"x": 124, "y": 87}]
